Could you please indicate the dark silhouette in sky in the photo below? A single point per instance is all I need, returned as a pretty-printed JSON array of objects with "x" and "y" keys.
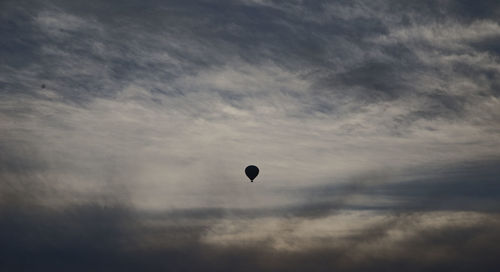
[{"x": 251, "y": 171}]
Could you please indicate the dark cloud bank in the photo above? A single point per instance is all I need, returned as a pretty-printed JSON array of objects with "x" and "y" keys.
[
  {"x": 376, "y": 121},
  {"x": 110, "y": 236}
]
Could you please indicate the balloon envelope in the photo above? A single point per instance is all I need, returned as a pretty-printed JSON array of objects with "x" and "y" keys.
[{"x": 252, "y": 171}]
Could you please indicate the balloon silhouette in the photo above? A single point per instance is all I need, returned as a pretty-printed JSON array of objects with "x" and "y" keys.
[{"x": 252, "y": 171}]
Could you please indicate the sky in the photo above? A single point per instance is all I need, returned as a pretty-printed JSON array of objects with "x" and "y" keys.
[{"x": 126, "y": 126}]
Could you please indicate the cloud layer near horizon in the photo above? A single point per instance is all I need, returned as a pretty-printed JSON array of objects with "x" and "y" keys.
[{"x": 375, "y": 126}]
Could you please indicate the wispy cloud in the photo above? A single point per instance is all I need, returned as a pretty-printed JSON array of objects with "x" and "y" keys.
[{"x": 375, "y": 126}]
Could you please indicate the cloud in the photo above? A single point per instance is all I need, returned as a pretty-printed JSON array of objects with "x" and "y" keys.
[
  {"x": 374, "y": 126},
  {"x": 113, "y": 237}
]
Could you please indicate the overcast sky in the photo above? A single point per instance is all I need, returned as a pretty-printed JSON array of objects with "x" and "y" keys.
[{"x": 125, "y": 128}]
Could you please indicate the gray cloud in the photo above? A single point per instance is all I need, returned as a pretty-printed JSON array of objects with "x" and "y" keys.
[
  {"x": 112, "y": 237},
  {"x": 374, "y": 126}
]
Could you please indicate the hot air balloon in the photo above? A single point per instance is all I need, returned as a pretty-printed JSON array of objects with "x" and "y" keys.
[{"x": 251, "y": 171}]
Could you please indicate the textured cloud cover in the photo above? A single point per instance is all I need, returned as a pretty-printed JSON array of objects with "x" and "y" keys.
[{"x": 375, "y": 124}]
